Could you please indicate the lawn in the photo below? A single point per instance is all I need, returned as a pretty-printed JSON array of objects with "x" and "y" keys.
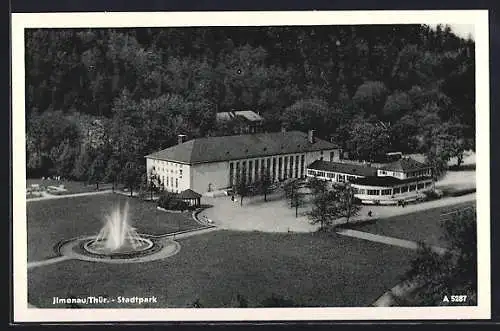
[
  {"x": 422, "y": 226},
  {"x": 309, "y": 269},
  {"x": 50, "y": 221}
]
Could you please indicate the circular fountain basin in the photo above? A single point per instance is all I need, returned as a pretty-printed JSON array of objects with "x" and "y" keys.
[
  {"x": 99, "y": 247},
  {"x": 87, "y": 248}
]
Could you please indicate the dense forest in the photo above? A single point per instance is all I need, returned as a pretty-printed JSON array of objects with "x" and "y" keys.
[{"x": 98, "y": 100}]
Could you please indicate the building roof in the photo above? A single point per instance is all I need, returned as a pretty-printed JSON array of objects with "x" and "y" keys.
[
  {"x": 224, "y": 148},
  {"x": 345, "y": 168},
  {"x": 189, "y": 194},
  {"x": 386, "y": 181},
  {"x": 405, "y": 164},
  {"x": 246, "y": 114}
]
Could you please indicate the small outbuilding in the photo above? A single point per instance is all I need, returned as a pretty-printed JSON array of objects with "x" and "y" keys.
[{"x": 191, "y": 197}]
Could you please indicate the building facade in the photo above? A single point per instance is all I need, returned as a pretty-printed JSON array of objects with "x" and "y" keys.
[
  {"x": 214, "y": 163},
  {"x": 244, "y": 121},
  {"x": 400, "y": 181}
]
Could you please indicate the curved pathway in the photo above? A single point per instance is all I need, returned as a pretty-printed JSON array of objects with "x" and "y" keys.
[{"x": 48, "y": 261}]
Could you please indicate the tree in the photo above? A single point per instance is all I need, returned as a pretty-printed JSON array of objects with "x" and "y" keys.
[
  {"x": 455, "y": 270},
  {"x": 317, "y": 186},
  {"x": 242, "y": 189},
  {"x": 154, "y": 182},
  {"x": 310, "y": 114},
  {"x": 112, "y": 171},
  {"x": 131, "y": 176},
  {"x": 290, "y": 187},
  {"x": 297, "y": 200},
  {"x": 265, "y": 184},
  {"x": 330, "y": 205},
  {"x": 321, "y": 212},
  {"x": 438, "y": 163},
  {"x": 346, "y": 205},
  {"x": 370, "y": 97},
  {"x": 369, "y": 141},
  {"x": 97, "y": 169}
]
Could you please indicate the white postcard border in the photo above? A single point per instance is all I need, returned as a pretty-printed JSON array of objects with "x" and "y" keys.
[{"x": 21, "y": 21}]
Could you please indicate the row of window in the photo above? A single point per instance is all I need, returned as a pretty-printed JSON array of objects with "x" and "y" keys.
[
  {"x": 169, "y": 182},
  {"x": 395, "y": 190},
  {"x": 277, "y": 168},
  {"x": 167, "y": 163},
  {"x": 336, "y": 177},
  {"x": 420, "y": 173}
]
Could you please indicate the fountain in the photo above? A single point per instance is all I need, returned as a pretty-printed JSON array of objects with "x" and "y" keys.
[
  {"x": 117, "y": 237},
  {"x": 118, "y": 242}
]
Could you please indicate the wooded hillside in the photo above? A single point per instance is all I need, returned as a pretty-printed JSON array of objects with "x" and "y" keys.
[{"x": 98, "y": 100}]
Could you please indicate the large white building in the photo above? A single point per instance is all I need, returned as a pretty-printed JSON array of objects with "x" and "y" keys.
[{"x": 214, "y": 163}]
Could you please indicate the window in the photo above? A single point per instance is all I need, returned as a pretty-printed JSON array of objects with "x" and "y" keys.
[
  {"x": 332, "y": 154},
  {"x": 397, "y": 190},
  {"x": 231, "y": 175},
  {"x": 413, "y": 187},
  {"x": 176, "y": 183},
  {"x": 244, "y": 171},
  {"x": 373, "y": 192},
  {"x": 320, "y": 174},
  {"x": 361, "y": 191},
  {"x": 341, "y": 178},
  {"x": 167, "y": 181},
  {"x": 285, "y": 166},
  {"x": 382, "y": 172},
  {"x": 180, "y": 173},
  {"x": 427, "y": 184},
  {"x": 256, "y": 177},
  {"x": 330, "y": 175},
  {"x": 250, "y": 169},
  {"x": 302, "y": 161},
  {"x": 274, "y": 169},
  {"x": 172, "y": 181},
  {"x": 237, "y": 171},
  {"x": 297, "y": 166},
  {"x": 386, "y": 192},
  {"x": 420, "y": 186},
  {"x": 404, "y": 189},
  {"x": 280, "y": 166},
  {"x": 350, "y": 178},
  {"x": 311, "y": 172}
]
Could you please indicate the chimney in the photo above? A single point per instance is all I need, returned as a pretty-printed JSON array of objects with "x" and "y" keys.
[
  {"x": 283, "y": 129},
  {"x": 181, "y": 138},
  {"x": 310, "y": 136}
]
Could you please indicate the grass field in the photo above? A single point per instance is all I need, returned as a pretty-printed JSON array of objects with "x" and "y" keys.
[
  {"x": 309, "y": 269},
  {"x": 51, "y": 221},
  {"x": 423, "y": 226}
]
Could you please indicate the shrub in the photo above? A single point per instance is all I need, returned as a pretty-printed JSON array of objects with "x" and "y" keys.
[
  {"x": 165, "y": 200},
  {"x": 178, "y": 205},
  {"x": 169, "y": 201}
]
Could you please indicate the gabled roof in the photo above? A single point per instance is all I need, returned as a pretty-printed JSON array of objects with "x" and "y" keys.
[
  {"x": 224, "y": 148},
  {"x": 404, "y": 165},
  {"x": 246, "y": 114},
  {"x": 344, "y": 168}
]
